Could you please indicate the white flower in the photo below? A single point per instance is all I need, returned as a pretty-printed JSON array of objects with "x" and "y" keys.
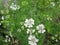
[
  {"x": 30, "y": 31},
  {"x": 7, "y": 38},
  {"x": 40, "y": 28},
  {"x": 29, "y": 22},
  {"x": 2, "y": 17},
  {"x": 52, "y": 37},
  {"x": 41, "y": 31},
  {"x": 32, "y": 43},
  {"x": 56, "y": 40},
  {"x": 32, "y": 40},
  {"x": 14, "y": 6},
  {"x": 52, "y": 3}
]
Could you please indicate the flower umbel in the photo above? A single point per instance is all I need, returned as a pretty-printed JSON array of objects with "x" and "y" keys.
[
  {"x": 29, "y": 23},
  {"x": 32, "y": 40},
  {"x": 14, "y": 6},
  {"x": 40, "y": 28}
]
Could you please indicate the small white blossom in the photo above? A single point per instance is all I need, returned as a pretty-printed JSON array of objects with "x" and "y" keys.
[
  {"x": 40, "y": 28},
  {"x": 56, "y": 35},
  {"x": 52, "y": 3},
  {"x": 32, "y": 40},
  {"x": 30, "y": 31},
  {"x": 2, "y": 17},
  {"x": 53, "y": 37},
  {"x": 7, "y": 38},
  {"x": 29, "y": 22},
  {"x": 56, "y": 40},
  {"x": 41, "y": 31},
  {"x": 14, "y": 6}
]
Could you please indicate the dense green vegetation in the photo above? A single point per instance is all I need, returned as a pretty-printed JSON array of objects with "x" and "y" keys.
[{"x": 12, "y": 20}]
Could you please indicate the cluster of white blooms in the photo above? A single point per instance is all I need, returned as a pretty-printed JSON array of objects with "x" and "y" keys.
[
  {"x": 7, "y": 38},
  {"x": 32, "y": 40},
  {"x": 29, "y": 22},
  {"x": 14, "y": 6},
  {"x": 55, "y": 38},
  {"x": 40, "y": 28}
]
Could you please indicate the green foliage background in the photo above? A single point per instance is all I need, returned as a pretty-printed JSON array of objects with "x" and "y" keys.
[{"x": 39, "y": 10}]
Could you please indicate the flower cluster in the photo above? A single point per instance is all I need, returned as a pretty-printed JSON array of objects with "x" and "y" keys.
[
  {"x": 29, "y": 23},
  {"x": 40, "y": 28},
  {"x": 14, "y": 6},
  {"x": 7, "y": 39},
  {"x": 55, "y": 38},
  {"x": 32, "y": 40}
]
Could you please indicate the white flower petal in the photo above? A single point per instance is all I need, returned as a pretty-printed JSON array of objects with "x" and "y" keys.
[
  {"x": 2, "y": 17},
  {"x": 43, "y": 31},
  {"x": 30, "y": 37},
  {"x": 6, "y": 40}
]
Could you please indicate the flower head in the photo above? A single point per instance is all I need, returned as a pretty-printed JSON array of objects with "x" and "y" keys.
[
  {"x": 14, "y": 6},
  {"x": 7, "y": 39},
  {"x": 40, "y": 28},
  {"x": 29, "y": 22},
  {"x": 32, "y": 40}
]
